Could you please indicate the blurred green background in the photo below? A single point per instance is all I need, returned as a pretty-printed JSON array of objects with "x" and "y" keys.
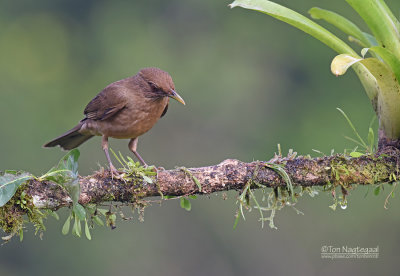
[{"x": 249, "y": 81}]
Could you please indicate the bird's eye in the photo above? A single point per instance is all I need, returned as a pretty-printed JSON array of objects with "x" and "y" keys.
[{"x": 153, "y": 85}]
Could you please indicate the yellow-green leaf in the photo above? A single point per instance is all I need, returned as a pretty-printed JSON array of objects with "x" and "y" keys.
[{"x": 342, "y": 62}]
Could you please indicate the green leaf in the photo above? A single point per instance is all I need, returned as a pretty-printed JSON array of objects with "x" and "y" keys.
[
  {"x": 21, "y": 234},
  {"x": 185, "y": 204},
  {"x": 381, "y": 21},
  {"x": 91, "y": 208},
  {"x": 341, "y": 23},
  {"x": 9, "y": 184},
  {"x": 76, "y": 229},
  {"x": 356, "y": 154},
  {"x": 98, "y": 221},
  {"x": 66, "y": 169},
  {"x": 297, "y": 20},
  {"x": 371, "y": 39},
  {"x": 371, "y": 139},
  {"x": 237, "y": 217},
  {"x": 169, "y": 197},
  {"x": 147, "y": 179},
  {"x": 102, "y": 211},
  {"x": 87, "y": 231},
  {"x": 384, "y": 27},
  {"x": 386, "y": 9},
  {"x": 54, "y": 215},
  {"x": 110, "y": 219},
  {"x": 66, "y": 226},
  {"x": 79, "y": 211},
  {"x": 389, "y": 58},
  {"x": 387, "y": 101},
  {"x": 377, "y": 190},
  {"x": 197, "y": 182},
  {"x": 342, "y": 62},
  {"x": 66, "y": 174}
]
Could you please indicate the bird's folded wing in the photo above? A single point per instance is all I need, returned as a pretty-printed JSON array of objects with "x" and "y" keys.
[{"x": 106, "y": 104}]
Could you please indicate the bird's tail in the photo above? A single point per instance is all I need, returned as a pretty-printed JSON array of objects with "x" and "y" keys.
[{"x": 70, "y": 139}]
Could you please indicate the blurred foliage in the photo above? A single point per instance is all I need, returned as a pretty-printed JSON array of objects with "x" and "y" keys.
[{"x": 245, "y": 93}]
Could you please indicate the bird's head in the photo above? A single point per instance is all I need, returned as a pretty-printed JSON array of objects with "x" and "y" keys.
[{"x": 161, "y": 83}]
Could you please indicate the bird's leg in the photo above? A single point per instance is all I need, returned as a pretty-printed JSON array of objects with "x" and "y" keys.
[
  {"x": 133, "y": 146},
  {"x": 104, "y": 144}
]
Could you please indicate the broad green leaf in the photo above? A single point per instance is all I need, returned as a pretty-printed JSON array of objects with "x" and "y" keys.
[
  {"x": 9, "y": 184},
  {"x": 380, "y": 21},
  {"x": 356, "y": 154},
  {"x": 297, "y": 20},
  {"x": 377, "y": 190},
  {"x": 185, "y": 204},
  {"x": 389, "y": 58},
  {"x": 87, "y": 231},
  {"x": 342, "y": 62},
  {"x": 341, "y": 23},
  {"x": 79, "y": 211},
  {"x": 66, "y": 226}
]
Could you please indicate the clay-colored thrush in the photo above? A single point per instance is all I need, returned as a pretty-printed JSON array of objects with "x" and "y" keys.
[{"x": 124, "y": 109}]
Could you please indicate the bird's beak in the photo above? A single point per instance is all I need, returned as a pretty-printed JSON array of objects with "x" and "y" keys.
[{"x": 176, "y": 96}]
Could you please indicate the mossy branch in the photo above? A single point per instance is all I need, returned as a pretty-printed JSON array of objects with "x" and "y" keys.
[
  {"x": 337, "y": 170},
  {"x": 289, "y": 177}
]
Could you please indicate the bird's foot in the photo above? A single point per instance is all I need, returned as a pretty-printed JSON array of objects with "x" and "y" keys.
[
  {"x": 156, "y": 169},
  {"x": 114, "y": 173}
]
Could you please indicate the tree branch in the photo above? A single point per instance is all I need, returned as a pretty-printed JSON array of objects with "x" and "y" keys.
[{"x": 228, "y": 175}]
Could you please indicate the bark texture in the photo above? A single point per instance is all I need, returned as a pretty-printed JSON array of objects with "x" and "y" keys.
[
  {"x": 384, "y": 141},
  {"x": 230, "y": 174}
]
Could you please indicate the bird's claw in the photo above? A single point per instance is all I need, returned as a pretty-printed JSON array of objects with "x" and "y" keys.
[
  {"x": 157, "y": 169},
  {"x": 114, "y": 173}
]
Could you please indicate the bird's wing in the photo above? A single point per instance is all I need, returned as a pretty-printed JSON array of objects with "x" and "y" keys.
[
  {"x": 107, "y": 103},
  {"x": 165, "y": 111}
]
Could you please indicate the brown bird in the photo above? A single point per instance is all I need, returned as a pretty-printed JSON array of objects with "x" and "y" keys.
[{"x": 125, "y": 109}]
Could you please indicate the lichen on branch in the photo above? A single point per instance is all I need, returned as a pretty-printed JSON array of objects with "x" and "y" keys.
[{"x": 230, "y": 174}]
